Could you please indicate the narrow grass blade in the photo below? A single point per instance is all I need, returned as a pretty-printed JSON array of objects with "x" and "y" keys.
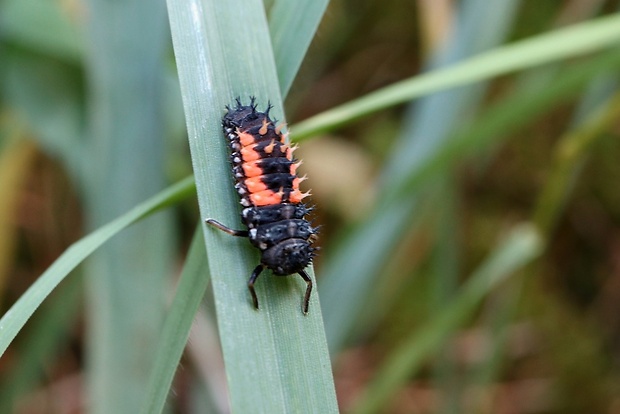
[
  {"x": 292, "y": 25},
  {"x": 519, "y": 248},
  {"x": 276, "y": 358},
  {"x": 15, "y": 318},
  {"x": 515, "y": 110},
  {"x": 190, "y": 290},
  {"x": 560, "y": 44}
]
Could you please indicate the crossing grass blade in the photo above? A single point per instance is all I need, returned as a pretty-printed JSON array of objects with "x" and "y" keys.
[{"x": 17, "y": 316}]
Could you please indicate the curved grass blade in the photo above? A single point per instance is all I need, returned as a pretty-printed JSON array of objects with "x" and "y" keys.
[
  {"x": 17, "y": 316},
  {"x": 276, "y": 358},
  {"x": 573, "y": 41},
  {"x": 522, "y": 106}
]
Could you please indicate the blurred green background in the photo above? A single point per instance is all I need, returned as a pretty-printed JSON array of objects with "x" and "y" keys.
[{"x": 411, "y": 199}]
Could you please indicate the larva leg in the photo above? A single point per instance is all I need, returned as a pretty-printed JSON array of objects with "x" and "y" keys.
[
  {"x": 232, "y": 232},
  {"x": 257, "y": 270},
  {"x": 308, "y": 281}
]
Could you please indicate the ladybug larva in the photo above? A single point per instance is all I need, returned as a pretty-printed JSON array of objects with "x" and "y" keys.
[{"x": 265, "y": 173}]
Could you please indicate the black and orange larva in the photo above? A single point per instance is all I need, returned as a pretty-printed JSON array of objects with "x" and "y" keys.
[{"x": 265, "y": 173}]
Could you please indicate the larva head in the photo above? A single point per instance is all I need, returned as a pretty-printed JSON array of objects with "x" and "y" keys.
[{"x": 288, "y": 257}]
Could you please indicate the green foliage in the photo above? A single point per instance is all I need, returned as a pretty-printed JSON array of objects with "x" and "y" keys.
[{"x": 456, "y": 237}]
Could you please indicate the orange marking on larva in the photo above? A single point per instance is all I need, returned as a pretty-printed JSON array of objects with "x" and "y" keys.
[
  {"x": 295, "y": 166},
  {"x": 296, "y": 196},
  {"x": 269, "y": 148},
  {"x": 284, "y": 137},
  {"x": 245, "y": 138},
  {"x": 296, "y": 182},
  {"x": 284, "y": 149},
  {"x": 249, "y": 153},
  {"x": 263, "y": 129},
  {"x": 265, "y": 198},
  {"x": 254, "y": 184},
  {"x": 279, "y": 127},
  {"x": 289, "y": 152},
  {"x": 251, "y": 169}
]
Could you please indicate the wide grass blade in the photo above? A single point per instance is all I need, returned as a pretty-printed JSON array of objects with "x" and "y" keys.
[
  {"x": 276, "y": 358},
  {"x": 17, "y": 316}
]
